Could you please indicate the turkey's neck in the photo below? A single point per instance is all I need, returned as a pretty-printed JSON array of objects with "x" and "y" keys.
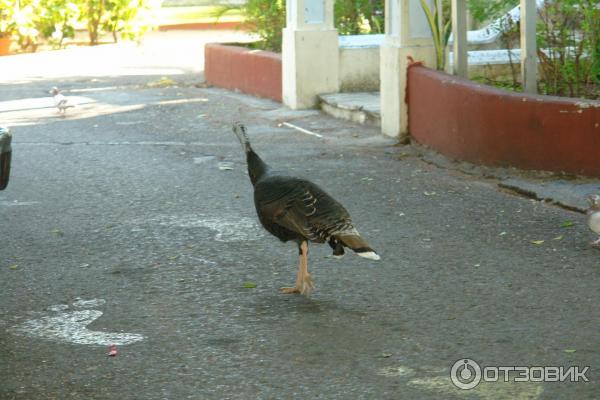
[{"x": 256, "y": 167}]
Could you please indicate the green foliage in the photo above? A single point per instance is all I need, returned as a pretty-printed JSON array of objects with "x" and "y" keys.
[
  {"x": 510, "y": 38},
  {"x": 7, "y": 23},
  {"x": 26, "y": 19},
  {"x": 568, "y": 48},
  {"x": 441, "y": 27},
  {"x": 93, "y": 12},
  {"x": 354, "y": 17},
  {"x": 267, "y": 19},
  {"x": 486, "y": 10},
  {"x": 57, "y": 19},
  {"x": 130, "y": 18}
]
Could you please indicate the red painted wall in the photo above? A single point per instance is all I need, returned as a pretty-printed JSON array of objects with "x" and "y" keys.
[
  {"x": 480, "y": 124},
  {"x": 254, "y": 72}
]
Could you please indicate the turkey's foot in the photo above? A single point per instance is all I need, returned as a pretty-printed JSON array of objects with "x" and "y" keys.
[{"x": 304, "y": 286}]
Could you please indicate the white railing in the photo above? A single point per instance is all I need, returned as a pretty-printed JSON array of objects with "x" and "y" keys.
[{"x": 526, "y": 14}]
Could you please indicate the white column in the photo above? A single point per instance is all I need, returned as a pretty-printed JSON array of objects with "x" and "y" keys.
[
  {"x": 407, "y": 34},
  {"x": 460, "y": 65},
  {"x": 310, "y": 53},
  {"x": 528, "y": 46}
]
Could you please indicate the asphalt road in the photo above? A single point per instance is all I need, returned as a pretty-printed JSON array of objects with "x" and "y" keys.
[{"x": 131, "y": 221}]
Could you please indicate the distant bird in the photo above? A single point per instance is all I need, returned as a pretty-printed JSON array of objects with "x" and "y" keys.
[
  {"x": 5, "y": 156},
  {"x": 593, "y": 214},
  {"x": 296, "y": 209},
  {"x": 61, "y": 102}
]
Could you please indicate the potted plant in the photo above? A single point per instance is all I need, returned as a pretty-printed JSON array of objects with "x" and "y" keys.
[{"x": 7, "y": 26}]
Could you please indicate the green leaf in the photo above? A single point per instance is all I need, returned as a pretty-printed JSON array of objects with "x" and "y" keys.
[
  {"x": 567, "y": 224},
  {"x": 570, "y": 350},
  {"x": 249, "y": 285}
]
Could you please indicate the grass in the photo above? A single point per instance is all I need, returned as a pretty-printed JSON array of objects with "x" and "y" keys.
[{"x": 195, "y": 14}]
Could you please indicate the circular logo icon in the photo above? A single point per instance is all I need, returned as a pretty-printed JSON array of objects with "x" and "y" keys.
[{"x": 465, "y": 374}]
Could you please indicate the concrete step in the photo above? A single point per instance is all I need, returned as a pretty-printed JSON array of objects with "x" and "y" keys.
[{"x": 361, "y": 107}]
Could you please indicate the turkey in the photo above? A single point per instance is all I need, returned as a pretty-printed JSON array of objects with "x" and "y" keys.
[
  {"x": 60, "y": 101},
  {"x": 594, "y": 216},
  {"x": 298, "y": 210}
]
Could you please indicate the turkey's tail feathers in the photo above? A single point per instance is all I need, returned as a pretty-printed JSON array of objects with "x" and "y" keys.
[
  {"x": 357, "y": 244},
  {"x": 240, "y": 131},
  {"x": 337, "y": 246}
]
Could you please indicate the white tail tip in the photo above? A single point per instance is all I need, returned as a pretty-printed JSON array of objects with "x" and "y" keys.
[{"x": 371, "y": 255}]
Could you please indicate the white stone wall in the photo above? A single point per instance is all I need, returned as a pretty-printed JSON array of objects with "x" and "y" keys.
[
  {"x": 359, "y": 63},
  {"x": 359, "y": 69}
]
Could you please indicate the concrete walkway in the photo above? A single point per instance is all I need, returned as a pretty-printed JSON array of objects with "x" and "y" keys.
[{"x": 131, "y": 222}]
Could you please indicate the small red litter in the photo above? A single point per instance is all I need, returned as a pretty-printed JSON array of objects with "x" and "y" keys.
[{"x": 112, "y": 350}]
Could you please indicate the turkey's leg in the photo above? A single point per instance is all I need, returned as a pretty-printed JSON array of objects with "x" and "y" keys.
[{"x": 304, "y": 283}]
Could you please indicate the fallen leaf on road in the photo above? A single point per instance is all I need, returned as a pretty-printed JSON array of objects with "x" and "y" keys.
[
  {"x": 249, "y": 285},
  {"x": 570, "y": 350},
  {"x": 536, "y": 241},
  {"x": 429, "y": 193},
  {"x": 559, "y": 237},
  {"x": 57, "y": 232},
  {"x": 386, "y": 355},
  {"x": 567, "y": 224},
  {"x": 162, "y": 82},
  {"x": 14, "y": 266}
]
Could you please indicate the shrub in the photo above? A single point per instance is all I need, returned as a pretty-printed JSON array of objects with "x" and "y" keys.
[
  {"x": 129, "y": 18},
  {"x": 26, "y": 20},
  {"x": 485, "y": 10},
  {"x": 57, "y": 19},
  {"x": 267, "y": 19},
  {"x": 568, "y": 48},
  {"x": 7, "y": 23},
  {"x": 354, "y": 17}
]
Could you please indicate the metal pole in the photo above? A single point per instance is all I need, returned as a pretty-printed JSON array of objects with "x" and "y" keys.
[
  {"x": 459, "y": 31},
  {"x": 528, "y": 46}
]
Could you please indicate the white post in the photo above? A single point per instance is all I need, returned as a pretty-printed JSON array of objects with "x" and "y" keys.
[
  {"x": 407, "y": 34},
  {"x": 310, "y": 53},
  {"x": 528, "y": 46},
  {"x": 459, "y": 32}
]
